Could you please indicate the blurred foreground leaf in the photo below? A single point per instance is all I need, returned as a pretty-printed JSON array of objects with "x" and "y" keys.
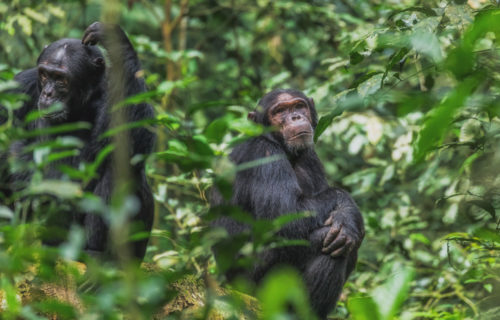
[
  {"x": 60, "y": 189},
  {"x": 385, "y": 301},
  {"x": 282, "y": 289}
]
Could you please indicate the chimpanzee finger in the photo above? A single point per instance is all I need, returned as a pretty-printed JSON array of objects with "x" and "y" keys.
[
  {"x": 90, "y": 39},
  {"x": 334, "y": 245},
  {"x": 92, "y": 34},
  {"x": 94, "y": 27},
  {"x": 345, "y": 249},
  {"x": 329, "y": 221},
  {"x": 331, "y": 235},
  {"x": 339, "y": 252}
]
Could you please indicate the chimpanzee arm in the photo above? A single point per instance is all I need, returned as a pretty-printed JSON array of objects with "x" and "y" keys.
[
  {"x": 124, "y": 60},
  {"x": 271, "y": 189},
  {"x": 27, "y": 80},
  {"x": 344, "y": 229},
  {"x": 124, "y": 71}
]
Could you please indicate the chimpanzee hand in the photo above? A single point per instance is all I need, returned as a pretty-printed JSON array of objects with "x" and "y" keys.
[
  {"x": 93, "y": 34},
  {"x": 102, "y": 33},
  {"x": 343, "y": 236}
]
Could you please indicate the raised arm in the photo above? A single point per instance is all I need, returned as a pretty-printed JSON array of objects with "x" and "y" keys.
[
  {"x": 124, "y": 72},
  {"x": 124, "y": 60}
]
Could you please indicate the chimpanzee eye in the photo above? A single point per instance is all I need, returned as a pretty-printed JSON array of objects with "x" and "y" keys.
[
  {"x": 43, "y": 77},
  {"x": 300, "y": 105},
  {"x": 62, "y": 81},
  {"x": 278, "y": 110}
]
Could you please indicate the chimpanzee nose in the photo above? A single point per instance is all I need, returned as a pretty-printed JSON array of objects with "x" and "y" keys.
[
  {"x": 48, "y": 93},
  {"x": 296, "y": 116}
]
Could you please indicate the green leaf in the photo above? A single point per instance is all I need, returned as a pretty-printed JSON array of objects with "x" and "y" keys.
[
  {"x": 344, "y": 101},
  {"x": 127, "y": 126},
  {"x": 420, "y": 238},
  {"x": 355, "y": 57},
  {"x": 136, "y": 99},
  {"x": 6, "y": 213},
  {"x": 281, "y": 290},
  {"x": 485, "y": 205},
  {"x": 287, "y": 218},
  {"x": 396, "y": 58},
  {"x": 440, "y": 118},
  {"x": 194, "y": 153},
  {"x": 325, "y": 121},
  {"x": 461, "y": 60},
  {"x": 8, "y": 85},
  {"x": 488, "y": 235},
  {"x": 56, "y": 129},
  {"x": 456, "y": 236},
  {"x": 427, "y": 44},
  {"x": 207, "y": 105},
  {"x": 217, "y": 129},
  {"x": 246, "y": 127},
  {"x": 364, "y": 78},
  {"x": 392, "y": 294},
  {"x": 61, "y": 189},
  {"x": 54, "y": 156},
  {"x": 63, "y": 310},
  {"x": 488, "y": 287},
  {"x": 363, "y": 308},
  {"x": 423, "y": 9},
  {"x": 37, "y": 16}
]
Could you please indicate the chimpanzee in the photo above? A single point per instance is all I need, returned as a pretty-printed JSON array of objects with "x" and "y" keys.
[
  {"x": 295, "y": 183},
  {"x": 72, "y": 73}
]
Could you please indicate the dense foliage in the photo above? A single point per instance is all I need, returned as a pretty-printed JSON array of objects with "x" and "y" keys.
[{"x": 409, "y": 99}]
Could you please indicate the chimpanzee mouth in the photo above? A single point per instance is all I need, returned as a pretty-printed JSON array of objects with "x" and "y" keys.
[
  {"x": 301, "y": 133},
  {"x": 55, "y": 115}
]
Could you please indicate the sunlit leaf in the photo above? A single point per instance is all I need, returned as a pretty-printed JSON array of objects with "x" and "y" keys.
[
  {"x": 390, "y": 296},
  {"x": 61, "y": 189},
  {"x": 6, "y": 213},
  {"x": 363, "y": 308},
  {"x": 440, "y": 118}
]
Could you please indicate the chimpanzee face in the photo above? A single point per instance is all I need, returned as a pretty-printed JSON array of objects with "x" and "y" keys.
[
  {"x": 292, "y": 116},
  {"x": 67, "y": 74},
  {"x": 54, "y": 83}
]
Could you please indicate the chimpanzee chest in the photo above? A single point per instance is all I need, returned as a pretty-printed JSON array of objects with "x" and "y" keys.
[{"x": 307, "y": 185}]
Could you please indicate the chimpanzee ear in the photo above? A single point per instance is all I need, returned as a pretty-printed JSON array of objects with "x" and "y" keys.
[
  {"x": 252, "y": 115},
  {"x": 311, "y": 102},
  {"x": 99, "y": 62}
]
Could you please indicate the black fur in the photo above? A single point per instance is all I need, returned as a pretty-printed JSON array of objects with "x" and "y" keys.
[
  {"x": 91, "y": 96},
  {"x": 294, "y": 183}
]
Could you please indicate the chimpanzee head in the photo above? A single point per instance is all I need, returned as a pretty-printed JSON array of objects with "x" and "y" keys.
[
  {"x": 70, "y": 73},
  {"x": 292, "y": 114}
]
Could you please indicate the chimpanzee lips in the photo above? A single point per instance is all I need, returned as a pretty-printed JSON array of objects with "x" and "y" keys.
[
  {"x": 59, "y": 114},
  {"x": 52, "y": 109},
  {"x": 301, "y": 133}
]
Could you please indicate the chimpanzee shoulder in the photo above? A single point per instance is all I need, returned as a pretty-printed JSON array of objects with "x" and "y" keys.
[
  {"x": 256, "y": 148},
  {"x": 28, "y": 84}
]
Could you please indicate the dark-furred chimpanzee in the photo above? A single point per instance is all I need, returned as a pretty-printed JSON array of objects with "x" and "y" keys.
[
  {"x": 73, "y": 74},
  {"x": 296, "y": 183}
]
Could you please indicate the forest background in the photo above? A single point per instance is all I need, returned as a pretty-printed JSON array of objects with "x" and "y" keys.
[{"x": 408, "y": 94}]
